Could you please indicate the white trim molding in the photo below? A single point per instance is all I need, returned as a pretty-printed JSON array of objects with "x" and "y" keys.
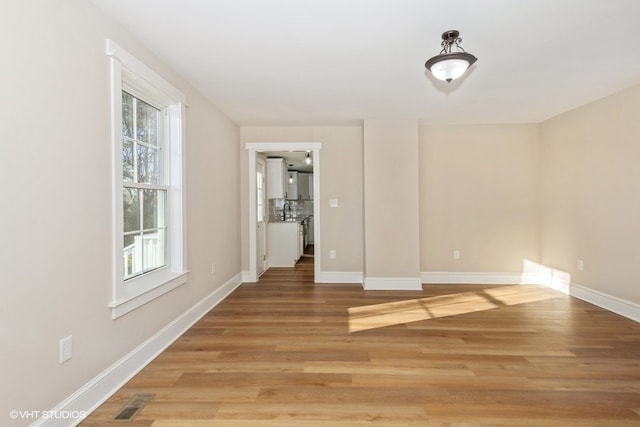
[
  {"x": 614, "y": 304},
  {"x": 129, "y": 74},
  {"x": 88, "y": 397},
  {"x": 246, "y": 277},
  {"x": 553, "y": 279},
  {"x": 139, "y": 68},
  {"x": 480, "y": 278},
  {"x": 392, "y": 284},
  {"x": 339, "y": 277},
  {"x": 261, "y": 147},
  {"x": 120, "y": 308}
]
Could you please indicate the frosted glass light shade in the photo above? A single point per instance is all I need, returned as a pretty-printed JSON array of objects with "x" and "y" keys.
[
  {"x": 450, "y": 66},
  {"x": 449, "y": 70}
]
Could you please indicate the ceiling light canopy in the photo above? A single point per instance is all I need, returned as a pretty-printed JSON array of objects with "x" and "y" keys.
[{"x": 447, "y": 65}]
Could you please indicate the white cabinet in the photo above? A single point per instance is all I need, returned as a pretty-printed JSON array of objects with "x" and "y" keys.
[
  {"x": 310, "y": 230},
  {"x": 292, "y": 186},
  {"x": 305, "y": 186},
  {"x": 276, "y": 179},
  {"x": 300, "y": 240},
  {"x": 285, "y": 246},
  {"x": 299, "y": 185}
]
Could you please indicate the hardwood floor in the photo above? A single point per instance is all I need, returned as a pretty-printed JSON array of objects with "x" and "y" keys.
[{"x": 286, "y": 352}]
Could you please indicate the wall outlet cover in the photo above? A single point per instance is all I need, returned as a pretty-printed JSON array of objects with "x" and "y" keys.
[{"x": 66, "y": 348}]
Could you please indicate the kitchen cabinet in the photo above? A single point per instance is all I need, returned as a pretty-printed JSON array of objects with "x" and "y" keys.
[
  {"x": 292, "y": 186},
  {"x": 277, "y": 186},
  {"x": 309, "y": 229},
  {"x": 300, "y": 240},
  {"x": 305, "y": 186},
  {"x": 285, "y": 243}
]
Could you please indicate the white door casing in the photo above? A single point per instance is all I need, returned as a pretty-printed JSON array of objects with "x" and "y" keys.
[
  {"x": 258, "y": 147},
  {"x": 260, "y": 200}
]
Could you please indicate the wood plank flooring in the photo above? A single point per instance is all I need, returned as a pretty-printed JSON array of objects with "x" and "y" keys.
[{"x": 286, "y": 352}]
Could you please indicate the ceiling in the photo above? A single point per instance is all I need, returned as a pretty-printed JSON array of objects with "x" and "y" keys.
[
  {"x": 333, "y": 62},
  {"x": 295, "y": 159}
]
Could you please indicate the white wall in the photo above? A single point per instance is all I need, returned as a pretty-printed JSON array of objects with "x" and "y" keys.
[
  {"x": 392, "y": 238},
  {"x": 55, "y": 255},
  {"x": 479, "y": 195},
  {"x": 590, "y": 186}
]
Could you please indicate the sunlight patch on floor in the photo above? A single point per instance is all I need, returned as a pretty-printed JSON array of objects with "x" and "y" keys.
[{"x": 399, "y": 312}]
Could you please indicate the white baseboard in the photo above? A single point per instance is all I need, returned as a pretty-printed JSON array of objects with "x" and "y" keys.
[
  {"x": 559, "y": 284},
  {"x": 616, "y": 305},
  {"x": 549, "y": 278},
  {"x": 246, "y": 278},
  {"x": 479, "y": 278},
  {"x": 339, "y": 277},
  {"x": 392, "y": 284},
  {"x": 88, "y": 397}
]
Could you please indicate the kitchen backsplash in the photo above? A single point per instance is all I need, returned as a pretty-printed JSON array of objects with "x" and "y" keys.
[{"x": 295, "y": 208}]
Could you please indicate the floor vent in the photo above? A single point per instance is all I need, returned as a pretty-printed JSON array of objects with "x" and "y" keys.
[{"x": 133, "y": 406}]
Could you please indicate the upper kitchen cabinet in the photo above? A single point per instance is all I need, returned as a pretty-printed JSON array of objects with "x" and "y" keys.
[
  {"x": 277, "y": 179},
  {"x": 293, "y": 190},
  {"x": 305, "y": 186}
]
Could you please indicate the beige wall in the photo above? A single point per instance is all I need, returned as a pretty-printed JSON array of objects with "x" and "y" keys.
[
  {"x": 391, "y": 239},
  {"x": 590, "y": 183},
  {"x": 55, "y": 255},
  {"x": 478, "y": 195},
  {"x": 340, "y": 178}
]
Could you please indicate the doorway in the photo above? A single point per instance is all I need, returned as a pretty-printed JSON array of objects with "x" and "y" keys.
[{"x": 253, "y": 165}]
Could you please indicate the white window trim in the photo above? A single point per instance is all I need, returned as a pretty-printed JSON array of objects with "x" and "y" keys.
[{"x": 128, "y": 73}]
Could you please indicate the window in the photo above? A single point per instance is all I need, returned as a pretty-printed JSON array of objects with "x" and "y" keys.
[
  {"x": 143, "y": 194},
  {"x": 147, "y": 114}
]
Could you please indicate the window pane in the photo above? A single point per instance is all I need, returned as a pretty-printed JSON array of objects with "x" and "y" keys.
[
  {"x": 148, "y": 164},
  {"x": 131, "y": 209},
  {"x": 132, "y": 255},
  {"x": 147, "y": 123},
  {"x": 154, "y": 206},
  {"x": 127, "y": 160},
  {"x": 127, "y": 115},
  {"x": 154, "y": 244}
]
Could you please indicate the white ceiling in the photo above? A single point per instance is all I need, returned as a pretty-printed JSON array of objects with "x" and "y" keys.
[
  {"x": 295, "y": 159},
  {"x": 319, "y": 62}
]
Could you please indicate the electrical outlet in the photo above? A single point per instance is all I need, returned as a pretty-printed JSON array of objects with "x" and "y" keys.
[
  {"x": 580, "y": 265},
  {"x": 332, "y": 254},
  {"x": 66, "y": 348},
  {"x": 333, "y": 203},
  {"x": 456, "y": 254}
]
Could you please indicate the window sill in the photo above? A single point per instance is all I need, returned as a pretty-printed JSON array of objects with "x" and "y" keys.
[{"x": 166, "y": 283}]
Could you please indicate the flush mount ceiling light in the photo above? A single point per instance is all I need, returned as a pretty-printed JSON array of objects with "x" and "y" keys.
[
  {"x": 447, "y": 65},
  {"x": 307, "y": 158}
]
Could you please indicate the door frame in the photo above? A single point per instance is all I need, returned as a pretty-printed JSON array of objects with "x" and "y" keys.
[
  {"x": 263, "y": 166},
  {"x": 256, "y": 147}
]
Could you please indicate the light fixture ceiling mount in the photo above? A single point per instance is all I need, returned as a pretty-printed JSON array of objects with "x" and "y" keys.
[{"x": 448, "y": 65}]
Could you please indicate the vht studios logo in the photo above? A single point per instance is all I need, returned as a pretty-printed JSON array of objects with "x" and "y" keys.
[{"x": 47, "y": 415}]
